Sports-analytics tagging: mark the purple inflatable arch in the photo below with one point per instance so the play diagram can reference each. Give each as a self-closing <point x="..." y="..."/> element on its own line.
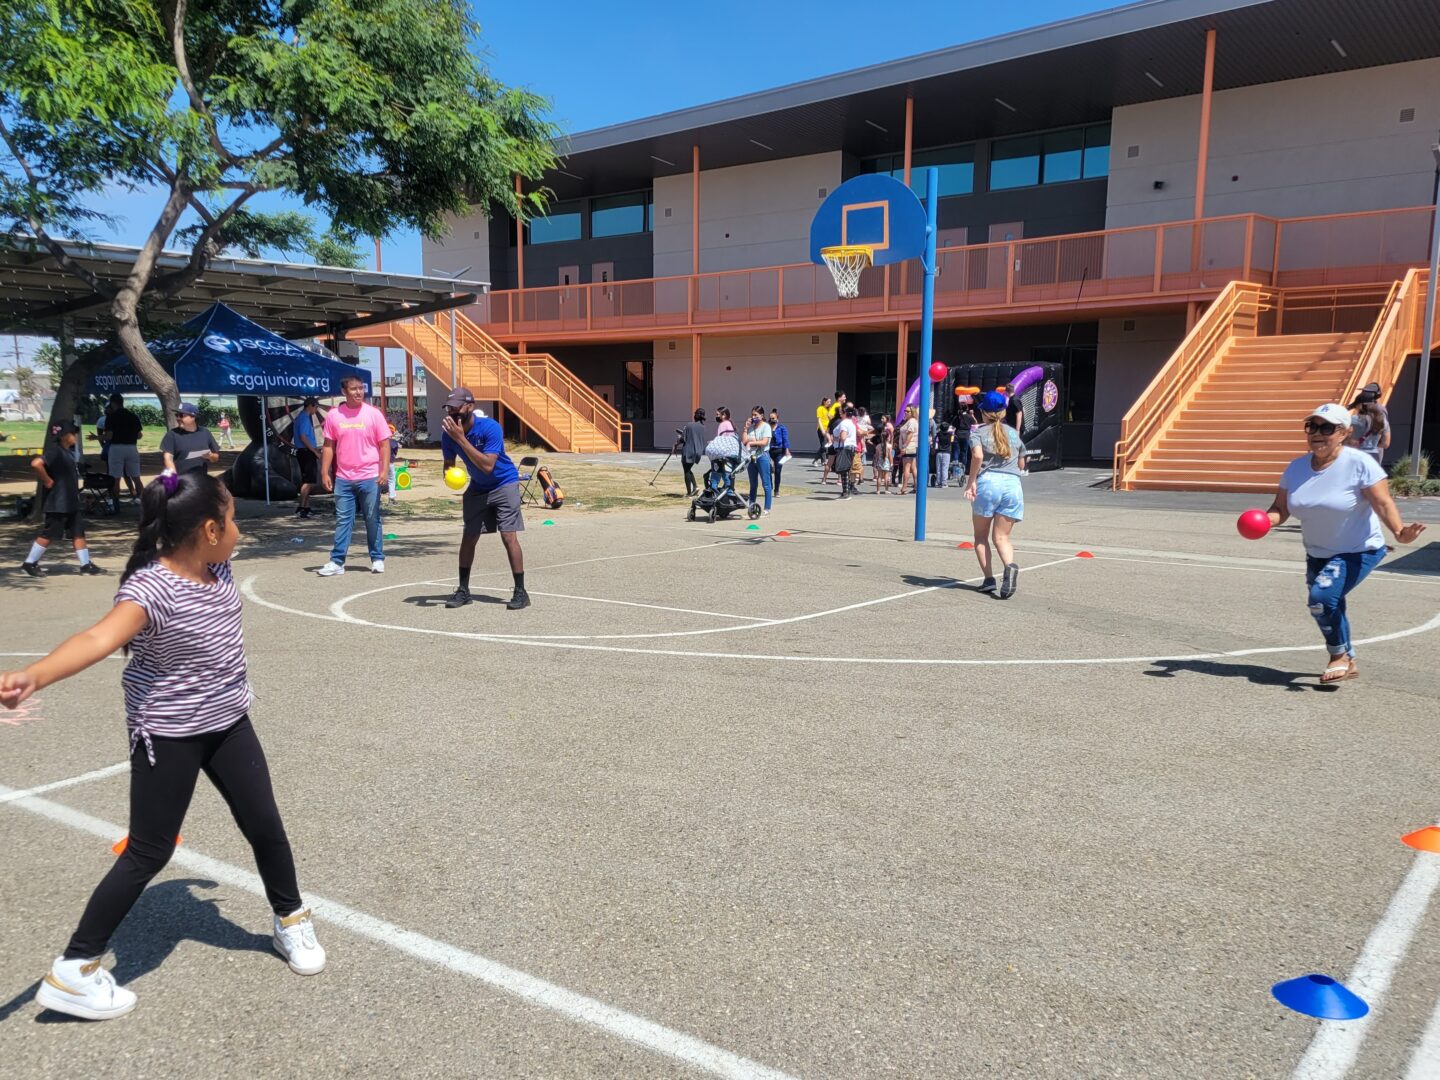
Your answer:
<point x="1022" y="382"/>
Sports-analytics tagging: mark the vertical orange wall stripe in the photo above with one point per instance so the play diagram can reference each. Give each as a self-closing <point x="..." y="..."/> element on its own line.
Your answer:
<point x="909" y="133"/>
<point x="694" y="373"/>
<point x="902" y="351"/>
<point x="519" y="239"/>
<point x="1203" y="154"/>
<point x="695" y="210"/>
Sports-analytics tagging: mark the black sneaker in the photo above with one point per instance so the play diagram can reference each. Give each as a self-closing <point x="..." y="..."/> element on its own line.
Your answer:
<point x="1010" y="581"/>
<point x="91" y="569"/>
<point x="988" y="585"/>
<point x="32" y="568"/>
<point x="521" y="599"/>
<point x="459" y="598"/>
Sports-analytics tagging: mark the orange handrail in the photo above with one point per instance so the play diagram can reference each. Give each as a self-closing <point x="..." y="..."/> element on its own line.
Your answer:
<point x="1237" y="308"/>
<point x="1395" y="335"/>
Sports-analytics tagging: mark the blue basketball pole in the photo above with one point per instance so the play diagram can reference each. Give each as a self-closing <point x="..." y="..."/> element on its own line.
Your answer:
<point x="927" y="334"/>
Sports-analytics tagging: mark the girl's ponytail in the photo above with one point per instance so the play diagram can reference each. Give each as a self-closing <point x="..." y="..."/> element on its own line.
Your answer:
<point x="997" y="433"/>
<point x="172" y="510"/>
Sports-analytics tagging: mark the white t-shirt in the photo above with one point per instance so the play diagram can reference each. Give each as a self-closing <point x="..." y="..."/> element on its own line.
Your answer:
<point x="1335" y="518"/>
<point x="764" y="433"/>
<point x="845" y="434"/>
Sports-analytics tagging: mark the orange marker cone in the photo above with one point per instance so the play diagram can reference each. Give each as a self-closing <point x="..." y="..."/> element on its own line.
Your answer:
<point x="1426" y="839"/>
<point x="118" y="848"/>
<point x="1083" y="555"/>
<point x="966" y="546"/>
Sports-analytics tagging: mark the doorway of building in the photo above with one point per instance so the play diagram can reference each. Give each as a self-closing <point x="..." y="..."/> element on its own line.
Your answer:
<point x="875" y="381"/>
<point x="1079" y="362"/>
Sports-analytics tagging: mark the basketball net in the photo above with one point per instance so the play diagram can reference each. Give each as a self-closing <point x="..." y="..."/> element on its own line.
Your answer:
<point x="846" y="264"/>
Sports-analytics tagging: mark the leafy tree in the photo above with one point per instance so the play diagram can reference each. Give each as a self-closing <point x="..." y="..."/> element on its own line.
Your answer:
<point x="376" y="112"/>
<point x="48" y="359"/>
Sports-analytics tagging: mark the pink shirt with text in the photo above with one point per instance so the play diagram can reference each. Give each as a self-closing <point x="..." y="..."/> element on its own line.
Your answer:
<point x="357" y="434"/>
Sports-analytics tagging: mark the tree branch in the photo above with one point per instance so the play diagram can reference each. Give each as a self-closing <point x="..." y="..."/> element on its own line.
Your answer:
<point x="167" y="285"/>
<point x="182" y="65"/>
<point x="52" y="245"/>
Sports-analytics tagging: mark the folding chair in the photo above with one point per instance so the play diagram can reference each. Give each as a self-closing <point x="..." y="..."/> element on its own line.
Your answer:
<point x="526" y="478"/>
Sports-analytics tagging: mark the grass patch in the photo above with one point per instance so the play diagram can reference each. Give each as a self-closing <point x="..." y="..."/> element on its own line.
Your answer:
<point x="1402" y="483"/>
<point x="31" y="433"/>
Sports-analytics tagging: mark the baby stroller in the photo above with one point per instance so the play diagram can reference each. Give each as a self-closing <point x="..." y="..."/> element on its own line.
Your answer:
<point x="719" y="499"/>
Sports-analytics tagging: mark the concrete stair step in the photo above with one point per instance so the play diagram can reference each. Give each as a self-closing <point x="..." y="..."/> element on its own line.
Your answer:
<point x="1148" y="483"/>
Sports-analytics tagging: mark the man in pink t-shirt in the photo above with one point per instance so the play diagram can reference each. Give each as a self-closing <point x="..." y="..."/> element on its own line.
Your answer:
<point x="356" y="455"/>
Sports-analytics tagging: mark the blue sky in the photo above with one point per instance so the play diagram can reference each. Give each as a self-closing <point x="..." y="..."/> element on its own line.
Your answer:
<point x="603" y="64"/>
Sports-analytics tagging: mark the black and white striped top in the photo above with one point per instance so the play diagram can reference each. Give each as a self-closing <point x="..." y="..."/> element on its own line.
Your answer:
<point x="186" y="674"/>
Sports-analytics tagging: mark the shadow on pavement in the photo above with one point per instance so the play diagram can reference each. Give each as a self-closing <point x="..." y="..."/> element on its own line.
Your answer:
<point x="438" y="599"/>
<point x="165" y="915"/>
<point x="1260" y="676"/>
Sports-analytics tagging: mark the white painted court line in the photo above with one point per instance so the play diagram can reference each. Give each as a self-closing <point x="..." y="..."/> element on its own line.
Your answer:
<point x="55" y="785"/>
<point x="637" y="604"/>
<point x="1425" y="1063"/>
<point x="338" y="610"/>
<point x="547" y="995"/>
<point x="1336" y="1045"/>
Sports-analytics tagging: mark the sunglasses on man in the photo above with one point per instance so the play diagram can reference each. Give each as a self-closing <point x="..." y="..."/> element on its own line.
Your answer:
<point x="1319" y="427"/>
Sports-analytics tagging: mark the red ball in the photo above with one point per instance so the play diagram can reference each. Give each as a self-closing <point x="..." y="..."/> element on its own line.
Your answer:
<point x="938" y="371"/>
<point x="1253" y="524"/>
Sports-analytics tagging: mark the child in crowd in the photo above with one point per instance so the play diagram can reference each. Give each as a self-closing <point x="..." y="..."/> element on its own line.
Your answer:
<point x="187" y="701"/>
<point x="59" y="474"/>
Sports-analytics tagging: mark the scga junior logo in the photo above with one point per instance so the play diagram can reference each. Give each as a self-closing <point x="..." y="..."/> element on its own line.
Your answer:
<point x="220" y="343"/>
<point x="1050" y="397"/>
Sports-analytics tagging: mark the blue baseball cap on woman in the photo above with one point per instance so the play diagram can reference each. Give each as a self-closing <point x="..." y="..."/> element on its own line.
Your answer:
<point x="990" y="401"/>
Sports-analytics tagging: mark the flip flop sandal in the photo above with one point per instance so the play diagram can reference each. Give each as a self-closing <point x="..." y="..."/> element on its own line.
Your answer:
<point x="1347" y="668"/>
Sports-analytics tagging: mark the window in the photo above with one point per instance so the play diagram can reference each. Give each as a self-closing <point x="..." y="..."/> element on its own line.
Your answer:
<point x="620" y="215"/>
<point x="1053" y="158"/>
<point x="956" y="165"/>
<point x="563" y="223"/>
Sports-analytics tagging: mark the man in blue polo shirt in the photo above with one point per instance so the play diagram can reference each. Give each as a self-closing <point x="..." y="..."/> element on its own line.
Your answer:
<point x="492" y="501"/>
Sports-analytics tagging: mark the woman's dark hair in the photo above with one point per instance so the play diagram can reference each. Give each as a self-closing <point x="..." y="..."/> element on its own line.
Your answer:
<point x="172" y="510"/>
<point x="757" y="409"/>
<point x="699" y="414"/>
<point x="722" y="413"/>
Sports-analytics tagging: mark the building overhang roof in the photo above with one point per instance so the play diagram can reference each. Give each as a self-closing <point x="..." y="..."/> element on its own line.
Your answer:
<point x="1071" y="72"/>
<point x="39" y="296"/>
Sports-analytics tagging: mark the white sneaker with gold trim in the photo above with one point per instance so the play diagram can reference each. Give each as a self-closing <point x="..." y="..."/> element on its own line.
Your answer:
<point x="85" y="989"/>
<point x="295" y="940"/>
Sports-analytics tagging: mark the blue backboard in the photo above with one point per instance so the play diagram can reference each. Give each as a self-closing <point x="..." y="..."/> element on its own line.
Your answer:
<point x="872" y="209"/>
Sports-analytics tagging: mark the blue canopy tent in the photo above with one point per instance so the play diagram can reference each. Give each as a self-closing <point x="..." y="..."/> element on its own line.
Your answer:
<point x="222" y="352"/>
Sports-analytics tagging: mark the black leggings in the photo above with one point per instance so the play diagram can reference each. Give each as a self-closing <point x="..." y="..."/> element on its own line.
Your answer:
<point x="160" y="795"/>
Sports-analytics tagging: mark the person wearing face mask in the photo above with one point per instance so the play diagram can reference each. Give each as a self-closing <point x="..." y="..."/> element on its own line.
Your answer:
<point x="1342" y="497"/>
<point x="779" y="449"/>
<point x="492" y="501"/>
<point x="756" y="442"/>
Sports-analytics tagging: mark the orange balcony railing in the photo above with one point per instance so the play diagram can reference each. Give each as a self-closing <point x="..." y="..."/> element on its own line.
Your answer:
<point x="1165" y="263"/>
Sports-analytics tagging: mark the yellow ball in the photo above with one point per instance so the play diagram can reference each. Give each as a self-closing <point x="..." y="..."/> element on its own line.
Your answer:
<point x="456" y="478"/>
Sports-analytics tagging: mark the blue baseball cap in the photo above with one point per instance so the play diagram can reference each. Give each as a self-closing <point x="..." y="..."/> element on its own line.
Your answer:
<point x="990" y="401"/>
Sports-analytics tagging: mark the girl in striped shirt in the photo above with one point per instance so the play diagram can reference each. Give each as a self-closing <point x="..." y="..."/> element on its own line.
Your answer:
<point x="187" y="697"/>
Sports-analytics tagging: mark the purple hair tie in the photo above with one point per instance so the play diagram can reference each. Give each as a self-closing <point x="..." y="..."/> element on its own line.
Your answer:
<point x="169" y="481"/>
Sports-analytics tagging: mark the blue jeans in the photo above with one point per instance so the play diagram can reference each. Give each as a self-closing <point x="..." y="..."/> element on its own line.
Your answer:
<point x="347" y="494"/>
<point x="759" y="469"/>
<point x="1330" y="580"/>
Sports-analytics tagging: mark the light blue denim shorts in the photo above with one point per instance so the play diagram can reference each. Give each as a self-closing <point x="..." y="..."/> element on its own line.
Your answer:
<point x="999" y="493"/>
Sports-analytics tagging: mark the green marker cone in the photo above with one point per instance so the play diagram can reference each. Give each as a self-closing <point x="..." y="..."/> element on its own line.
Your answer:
<point x="753" y="528"/>
<point x="391" y="536"/>
<point x="547" y="521"/>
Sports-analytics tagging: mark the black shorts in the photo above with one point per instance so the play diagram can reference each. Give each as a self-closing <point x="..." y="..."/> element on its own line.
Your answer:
<point x="497" y="510"/>
<point x="58" y="526"/>
<point x="309" y="466"/>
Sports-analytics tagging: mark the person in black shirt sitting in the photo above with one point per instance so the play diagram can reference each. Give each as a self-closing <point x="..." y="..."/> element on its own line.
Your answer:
<point x="59" y="473"/>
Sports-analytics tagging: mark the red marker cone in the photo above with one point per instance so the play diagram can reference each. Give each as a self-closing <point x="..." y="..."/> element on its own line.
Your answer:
<point x="782" y="532"/>
<point x="1083" y="555"/>
<point x="118" y="848"/>
<point x="965" y="545"/>
<point x="1426" y="839"/>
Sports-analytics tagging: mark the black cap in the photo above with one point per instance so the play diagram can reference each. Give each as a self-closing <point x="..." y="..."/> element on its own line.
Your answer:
<point x="310" y="401"/>
<point x="458" y="397"/>
<point x="63" y="428"/>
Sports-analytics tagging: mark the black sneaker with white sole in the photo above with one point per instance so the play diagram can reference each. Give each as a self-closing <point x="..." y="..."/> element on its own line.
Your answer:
<point x="521" y="599"/>
<point x="459" y="598"/>
<point x="1010" y="581"/>
<point x="988" y="585"/>
<point x="32" y="568"/>
<point x="91" y="568"/>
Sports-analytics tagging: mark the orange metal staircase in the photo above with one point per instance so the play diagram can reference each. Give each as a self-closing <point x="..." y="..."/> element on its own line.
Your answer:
<point x="1226" y="412"/>
<point x="546" y="396"/>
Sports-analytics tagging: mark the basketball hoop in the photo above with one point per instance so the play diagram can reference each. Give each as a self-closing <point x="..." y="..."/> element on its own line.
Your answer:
<point x="846" y="262"/>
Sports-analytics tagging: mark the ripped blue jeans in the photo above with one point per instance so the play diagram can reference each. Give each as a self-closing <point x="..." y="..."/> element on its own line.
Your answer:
<point x="1330" y="580"/>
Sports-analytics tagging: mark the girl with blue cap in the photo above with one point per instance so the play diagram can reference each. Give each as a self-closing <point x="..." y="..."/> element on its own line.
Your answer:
<point x="997" y="461"/>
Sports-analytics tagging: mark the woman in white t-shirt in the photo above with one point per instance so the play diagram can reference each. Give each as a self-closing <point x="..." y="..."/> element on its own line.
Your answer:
<point x="1341" y="497"/>
<point x="909" y="446"/>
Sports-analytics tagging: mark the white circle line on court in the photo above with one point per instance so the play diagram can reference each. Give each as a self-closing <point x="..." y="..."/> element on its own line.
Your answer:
<point x="248" y="588"/>
<point x="337" y="609"/>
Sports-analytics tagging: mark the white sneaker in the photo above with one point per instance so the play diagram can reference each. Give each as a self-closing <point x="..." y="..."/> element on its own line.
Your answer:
<point x="331" y="569"/>
<point x="295" y="940"/>
<point x="377" y="566"/>
<point x="85" y="989"/>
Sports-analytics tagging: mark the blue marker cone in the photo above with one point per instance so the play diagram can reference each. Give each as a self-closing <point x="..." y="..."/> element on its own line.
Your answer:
<point x="1320" y="996"/>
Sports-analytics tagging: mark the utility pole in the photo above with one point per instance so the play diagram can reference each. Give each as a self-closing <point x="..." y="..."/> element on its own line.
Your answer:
<point x="1427" y="336"/>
